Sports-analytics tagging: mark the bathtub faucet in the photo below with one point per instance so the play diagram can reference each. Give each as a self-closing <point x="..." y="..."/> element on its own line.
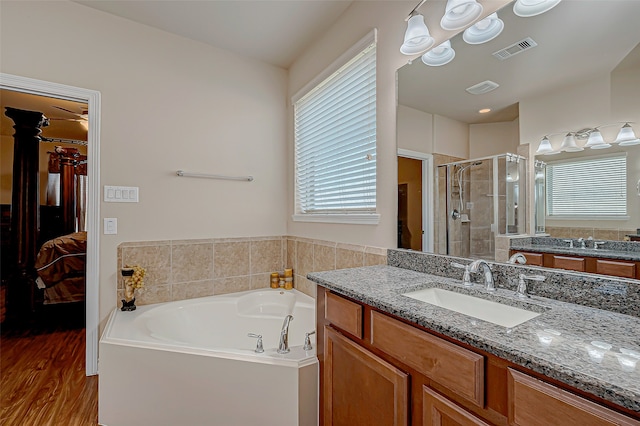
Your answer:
<point x="283" y="347"/>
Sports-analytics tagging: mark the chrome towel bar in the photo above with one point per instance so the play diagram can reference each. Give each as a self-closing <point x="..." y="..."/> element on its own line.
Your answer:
<point x="207" y="176"/>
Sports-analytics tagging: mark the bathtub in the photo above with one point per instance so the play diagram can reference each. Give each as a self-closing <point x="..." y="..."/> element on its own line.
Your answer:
<point x="191" y="363"/>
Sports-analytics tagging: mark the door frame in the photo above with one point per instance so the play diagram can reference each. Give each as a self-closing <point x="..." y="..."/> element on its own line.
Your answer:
<point x="427" y="195"/>
<point x="92" y="99"/>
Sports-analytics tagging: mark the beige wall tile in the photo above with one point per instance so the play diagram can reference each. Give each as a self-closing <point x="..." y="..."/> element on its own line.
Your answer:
<point x="155" y="259"/>
<point x="191" y="262"/>
<point x="304" y="260"/>
<point x="291" y="260"/>
<point x="606" y="234"/>
<point x="119" y="278"/>
<point x="266" y="256"/>
<point x="231" y="285"/>
<point x="156" y="294"/>
<point x="349" y="256"/>
<point x="307" y="287"/>
<point x="501" y="255"/>
<point x="371" y="259"/>
<point x="324" y="257"/>
<point x="191" y="290"/>
<point x="260" y="281"/>
<point x="231" y="259"/>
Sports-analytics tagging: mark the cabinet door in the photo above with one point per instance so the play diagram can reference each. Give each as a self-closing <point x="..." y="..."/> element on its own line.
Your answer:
<point x="535" y="259"/>
<point x="359" y="387"/>
<point x="618" y="268"/>
<point x="535" y="403"/>
<point x="439" y="411"/>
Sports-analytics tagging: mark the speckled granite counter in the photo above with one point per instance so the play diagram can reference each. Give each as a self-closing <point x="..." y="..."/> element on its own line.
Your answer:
<point x="565" y="358"/>
<point x="622" y="250"/>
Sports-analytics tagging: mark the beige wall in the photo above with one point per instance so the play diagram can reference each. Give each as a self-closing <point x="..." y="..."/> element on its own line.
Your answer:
<point x="168" y="103"/>
<point x="415" y="130"/>
<point x="450" y="137"/>
<point x="490" y="139"/>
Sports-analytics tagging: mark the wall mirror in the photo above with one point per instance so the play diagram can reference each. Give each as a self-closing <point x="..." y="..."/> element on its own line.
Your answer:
<point x="575" y="66"/>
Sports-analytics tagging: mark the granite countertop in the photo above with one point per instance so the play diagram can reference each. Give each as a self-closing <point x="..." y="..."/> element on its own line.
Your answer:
<point x="589" y="252"/>
<point x="570" y="327"/>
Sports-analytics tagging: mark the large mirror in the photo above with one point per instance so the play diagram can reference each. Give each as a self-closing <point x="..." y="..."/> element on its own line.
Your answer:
<point x="576" y="66"/>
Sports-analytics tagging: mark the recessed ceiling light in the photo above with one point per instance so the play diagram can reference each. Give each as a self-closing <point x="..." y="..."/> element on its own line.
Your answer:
<point x="484" y="110"/>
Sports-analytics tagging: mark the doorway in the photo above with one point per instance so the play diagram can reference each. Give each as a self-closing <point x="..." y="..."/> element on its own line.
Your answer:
<point x="92" y="99"/>
<point x="415" y="201"/>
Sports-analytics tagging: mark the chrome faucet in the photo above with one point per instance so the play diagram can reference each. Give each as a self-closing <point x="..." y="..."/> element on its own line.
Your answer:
<point x="521" y="291"/>
<point x="517" y="258"/>
<point x="283" y="346"/>
<point x="488" y="275"/>
<point x="582" y="243"/>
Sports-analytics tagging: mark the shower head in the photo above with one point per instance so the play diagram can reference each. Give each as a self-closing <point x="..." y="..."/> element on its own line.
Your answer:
<point x="466" y="166"/>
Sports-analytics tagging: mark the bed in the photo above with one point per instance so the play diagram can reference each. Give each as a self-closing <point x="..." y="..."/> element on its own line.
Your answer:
<point x="60" y="265"/>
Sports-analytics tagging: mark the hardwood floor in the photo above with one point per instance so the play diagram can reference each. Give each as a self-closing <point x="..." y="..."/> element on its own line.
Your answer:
<point x="42" y="375"/>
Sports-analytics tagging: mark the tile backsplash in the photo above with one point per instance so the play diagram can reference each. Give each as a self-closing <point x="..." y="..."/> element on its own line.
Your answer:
<point x="185" y="269"/>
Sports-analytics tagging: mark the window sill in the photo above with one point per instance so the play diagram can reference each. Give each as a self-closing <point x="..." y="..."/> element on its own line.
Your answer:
<point x="587" y="217"/>
<point x="353" y="219"/>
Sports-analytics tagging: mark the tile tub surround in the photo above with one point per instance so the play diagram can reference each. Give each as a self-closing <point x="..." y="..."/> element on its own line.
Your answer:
<point x="185" y="269"/>
<point x="565" y="359"/>
<point x="596" y="233"/>
<point x="591" y="290"/>
<point x="624" y="250"/>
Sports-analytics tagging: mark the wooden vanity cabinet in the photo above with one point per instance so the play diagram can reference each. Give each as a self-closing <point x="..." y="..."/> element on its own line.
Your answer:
<point x="594" y="265"/>
<point x="386" y="371"/>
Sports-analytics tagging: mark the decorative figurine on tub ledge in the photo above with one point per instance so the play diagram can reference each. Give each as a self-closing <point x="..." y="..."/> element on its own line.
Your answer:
<point x="133" y="279"/>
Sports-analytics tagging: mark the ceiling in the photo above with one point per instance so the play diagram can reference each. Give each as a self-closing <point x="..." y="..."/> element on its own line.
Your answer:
<point x="272" y="31"/>
<point x="577" y="40"/>
<point x="62" y="124"/>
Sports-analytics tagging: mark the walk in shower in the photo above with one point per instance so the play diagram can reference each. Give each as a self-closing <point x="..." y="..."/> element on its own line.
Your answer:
<point x="477" y="200"/>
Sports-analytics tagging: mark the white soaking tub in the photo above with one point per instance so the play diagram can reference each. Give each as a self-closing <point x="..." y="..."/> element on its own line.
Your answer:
<point x="191" y="363"/>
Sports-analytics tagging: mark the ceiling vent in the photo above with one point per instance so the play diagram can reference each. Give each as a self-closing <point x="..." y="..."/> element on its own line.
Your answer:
<point x="515" y="48"/>
<point x="484" y="87"/>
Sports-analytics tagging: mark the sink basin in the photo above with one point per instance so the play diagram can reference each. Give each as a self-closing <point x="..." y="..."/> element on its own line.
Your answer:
<point x="486" y="310"/>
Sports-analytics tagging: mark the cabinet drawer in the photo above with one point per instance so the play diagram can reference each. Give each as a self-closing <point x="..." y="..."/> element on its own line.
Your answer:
<point x="451" y="366"/>
<point x="536" y="403"/>
<point x="616" y="268"/>
<point x="570" y="263"/>
<point x="344" y="314"/>
<point x="535" y="259"/>
<point x="439" y="411"/>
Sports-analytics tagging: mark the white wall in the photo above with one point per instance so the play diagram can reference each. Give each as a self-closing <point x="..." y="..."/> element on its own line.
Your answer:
<point x="168" y="103"/>
<point x="489" y="139"/>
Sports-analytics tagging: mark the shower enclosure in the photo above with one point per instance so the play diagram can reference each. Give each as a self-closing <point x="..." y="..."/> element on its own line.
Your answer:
<point x="476" y="201"/>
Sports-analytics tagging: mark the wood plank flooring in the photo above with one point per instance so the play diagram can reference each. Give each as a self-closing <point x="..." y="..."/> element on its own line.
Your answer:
<point x="42" y="377"/>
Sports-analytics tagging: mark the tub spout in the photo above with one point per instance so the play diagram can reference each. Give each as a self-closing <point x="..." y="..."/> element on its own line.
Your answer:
<point x="283" y="347"/>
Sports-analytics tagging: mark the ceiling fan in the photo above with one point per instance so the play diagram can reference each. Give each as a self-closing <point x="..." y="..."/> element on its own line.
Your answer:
<point x="82" y="117"/>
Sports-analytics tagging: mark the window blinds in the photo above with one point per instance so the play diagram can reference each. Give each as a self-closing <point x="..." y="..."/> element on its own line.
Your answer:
<point x="335" y="141"/>
<point x="588" y="187"/>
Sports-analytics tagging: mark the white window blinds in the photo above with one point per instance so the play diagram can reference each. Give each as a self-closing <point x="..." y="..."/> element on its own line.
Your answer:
<point x="590" y="187"/>
<point x="335" y="141"/>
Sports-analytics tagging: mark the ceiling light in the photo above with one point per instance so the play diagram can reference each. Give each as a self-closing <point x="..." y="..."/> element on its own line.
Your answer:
<point x="569" y="144"/>
<point x="529" y="8"/>
<point x="438" y="56"/>
<point x="484" y="110"/>
<point x="596" y="141"/>
<point x="417" y="39"/>
<point x="484" y="30"/>
<point x="626" y="136"/>
<point x="545" y="147"/>
<point x="460" y="13"/>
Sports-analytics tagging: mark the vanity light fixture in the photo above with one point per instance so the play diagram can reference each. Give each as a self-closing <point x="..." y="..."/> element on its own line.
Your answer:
<point x="460" y="13"/>
<point x="529" y="8"/>
<point x="438" y="56"/>
<point x="596" y="141"/>
<point x="545" y="147"/>
<point x="626" y="136"/>
<point x="569" y="144"/>
<point x="417" y="39"/>
<point x="484" y="30"/>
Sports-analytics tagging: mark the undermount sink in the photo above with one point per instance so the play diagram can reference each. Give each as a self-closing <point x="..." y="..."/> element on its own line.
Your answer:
<point x="486" y="310"/>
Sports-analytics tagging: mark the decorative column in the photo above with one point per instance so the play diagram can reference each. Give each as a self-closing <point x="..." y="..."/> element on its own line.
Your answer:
<point x="25" y="198"/>
<point x="68" y="161"/>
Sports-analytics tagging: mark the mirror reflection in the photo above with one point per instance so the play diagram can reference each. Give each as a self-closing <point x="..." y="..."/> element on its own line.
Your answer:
<point x="582" y="73"/>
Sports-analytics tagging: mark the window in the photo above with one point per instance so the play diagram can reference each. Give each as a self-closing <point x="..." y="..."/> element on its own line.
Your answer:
<point x="587" y="188"/>
<point x="335" y="142"/>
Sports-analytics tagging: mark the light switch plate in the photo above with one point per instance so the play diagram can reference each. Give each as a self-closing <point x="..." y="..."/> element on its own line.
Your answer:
<point x="121" y="194"/>
<point x="110" y="225"/>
